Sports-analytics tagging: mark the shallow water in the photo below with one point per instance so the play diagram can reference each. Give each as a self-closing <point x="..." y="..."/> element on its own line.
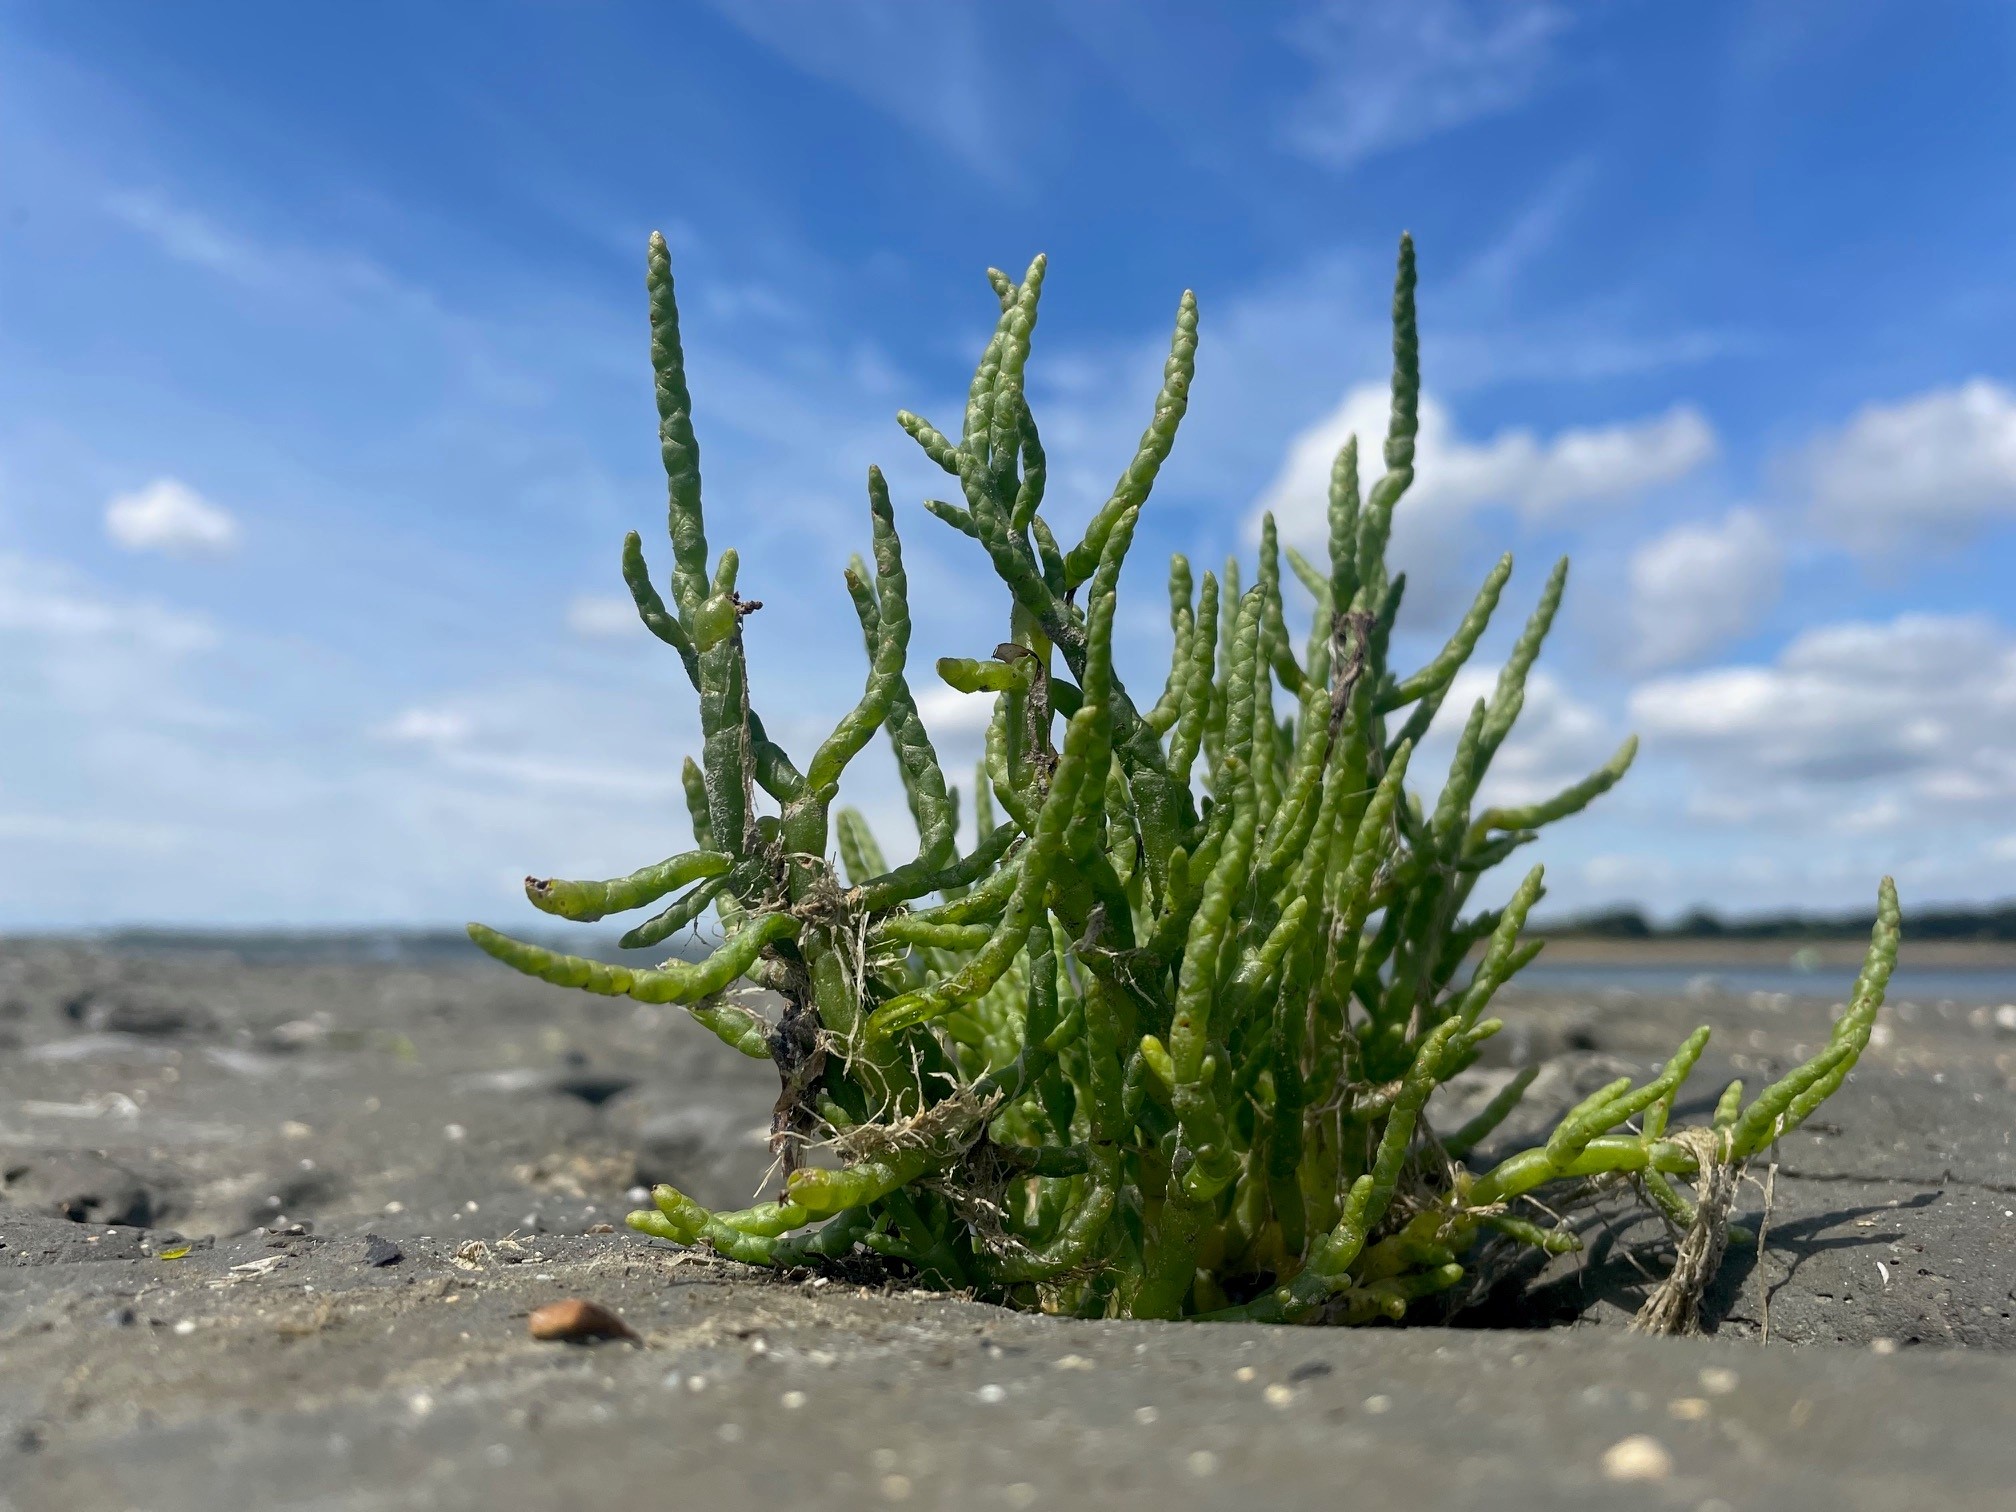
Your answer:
<point x="1973" y="985"/>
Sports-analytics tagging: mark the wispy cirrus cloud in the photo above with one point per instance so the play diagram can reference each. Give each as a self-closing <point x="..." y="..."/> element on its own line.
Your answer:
<point x="1388" y="76"/>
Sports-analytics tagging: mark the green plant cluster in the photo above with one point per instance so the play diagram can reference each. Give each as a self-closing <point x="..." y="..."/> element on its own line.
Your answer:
<point x="1161" y="1043"/>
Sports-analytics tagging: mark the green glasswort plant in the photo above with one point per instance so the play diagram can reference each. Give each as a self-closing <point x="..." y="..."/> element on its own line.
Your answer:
<point x="1141" y="1051"/>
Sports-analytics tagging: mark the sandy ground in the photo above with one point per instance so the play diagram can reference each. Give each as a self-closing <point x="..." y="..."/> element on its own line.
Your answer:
<point x="379" y="1170"/>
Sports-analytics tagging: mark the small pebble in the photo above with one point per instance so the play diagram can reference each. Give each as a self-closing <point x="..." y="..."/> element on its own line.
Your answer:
<point x="1688" y="1409"/>
<point x="1243" y="1373"/>
<point x="378" y="1252"/>
<point x="186" y="1327"/>
<point x="1378" y="1404"/>
<point x="1637" y="1458"/>
<point x="992" y="1393"/>
<point x="1073" y="1362"/>
<point x="577" y="1321"/>
<point x="791" y="1401"/>
<point x="1145" y="1414"/>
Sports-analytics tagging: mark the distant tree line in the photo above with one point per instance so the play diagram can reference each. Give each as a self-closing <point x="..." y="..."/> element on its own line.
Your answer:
<point x="1993" y="921"/>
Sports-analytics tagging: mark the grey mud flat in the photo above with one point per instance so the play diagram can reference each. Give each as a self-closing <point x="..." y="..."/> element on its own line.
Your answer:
<point x="378" y="1170"/>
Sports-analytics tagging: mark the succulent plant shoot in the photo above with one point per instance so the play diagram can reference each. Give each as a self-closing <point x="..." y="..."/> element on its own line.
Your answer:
<point x="1157" y="1039"/>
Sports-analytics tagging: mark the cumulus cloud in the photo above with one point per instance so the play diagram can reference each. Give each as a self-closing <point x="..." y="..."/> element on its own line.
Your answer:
<point x="602" y="617"/>
<point x="172" y="518"/>
<point x="1861" y="723"/>
<point x="1698" y="586"/>
<point x="1391" y="75"/>
<point x="1558" y="739"/>
<point x="952" y="716"/>
<point x="1935" y="470"/>
<point x="1455" y="475"/>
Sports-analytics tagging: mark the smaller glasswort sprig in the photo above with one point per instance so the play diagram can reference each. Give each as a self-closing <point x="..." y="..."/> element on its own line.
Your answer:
<point x="1162" y="1042"/>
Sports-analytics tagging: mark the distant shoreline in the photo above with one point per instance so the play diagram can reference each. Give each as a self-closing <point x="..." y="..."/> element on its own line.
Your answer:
<point x="1703" y="953"/>
<point x="1584" y="950"/>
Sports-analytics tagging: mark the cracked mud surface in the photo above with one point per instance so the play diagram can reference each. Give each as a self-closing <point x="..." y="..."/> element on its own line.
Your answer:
<point x="448" y="1140"/>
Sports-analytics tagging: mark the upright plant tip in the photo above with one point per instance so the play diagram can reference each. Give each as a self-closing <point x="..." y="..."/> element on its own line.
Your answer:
<point x="1140" y="1051"/>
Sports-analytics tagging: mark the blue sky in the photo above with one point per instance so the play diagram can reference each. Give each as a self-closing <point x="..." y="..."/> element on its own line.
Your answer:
<point x="324" y="403"/>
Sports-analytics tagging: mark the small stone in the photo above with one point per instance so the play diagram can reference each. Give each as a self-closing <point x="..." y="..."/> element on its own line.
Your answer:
<point x="1309" y="1370"/>
<point x="1244" y="1373"/>
<point x="1279" y="1395"/>
<point x="1073" y="1362"/>
<point x="1640" y="1457"/>
<point x="1145" y="1415"/>
<point x="186" y="1327"/>
<point x="1688" y="1409"/>
<point x="1719" y="1380"/>
<point x="1378" y="1404"/>
<point x="576" y="1321"/>
<point x="381" y="1252"/>
<point x="791" y="1401"/>
<point x="1883" y="1346"/>
<point x="992" y="1393"/>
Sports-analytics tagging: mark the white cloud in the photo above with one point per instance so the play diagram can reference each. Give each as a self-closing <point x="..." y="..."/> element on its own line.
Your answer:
<point x="1558" y="739"/>
<point x="1920" y="711"/>
<point x="50" y="603"/>
<point x="602" y="617"/>
<point x="952" y="716"/>
<point x="1698" y="586"/>
<point x="1932" y="471"/>
<point x="170" y="517"/>
<point x="1391" y="75"/>
<point x="1455" y="475"/>
<point x="427" y="727"/>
